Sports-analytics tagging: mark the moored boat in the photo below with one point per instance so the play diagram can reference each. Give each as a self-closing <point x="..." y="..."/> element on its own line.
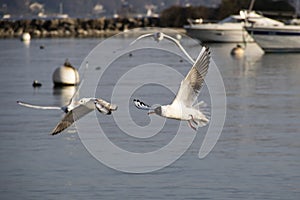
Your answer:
<point x="230" y="29"/>
<point x="276" y="39"/>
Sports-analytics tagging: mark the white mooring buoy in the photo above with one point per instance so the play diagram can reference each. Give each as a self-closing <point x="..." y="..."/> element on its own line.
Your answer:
<point x="237" y="51"/>
<point x="25" y="37"/>
<point x="65" y="75"/>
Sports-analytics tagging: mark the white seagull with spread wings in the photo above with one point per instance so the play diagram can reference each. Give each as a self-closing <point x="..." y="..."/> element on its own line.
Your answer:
<point x="75" y="110"/>
<point x="182" y="107"/>
<point x="159" y="36"/>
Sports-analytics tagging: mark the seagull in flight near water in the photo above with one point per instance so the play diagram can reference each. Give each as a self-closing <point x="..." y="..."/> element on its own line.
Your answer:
<point x="159" y="36"/>
<point x="182" y="107"/>
<point x="75" y="110"/>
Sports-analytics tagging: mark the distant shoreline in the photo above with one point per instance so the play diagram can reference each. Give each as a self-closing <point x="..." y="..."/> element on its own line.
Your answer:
<point x="73" y="27"/>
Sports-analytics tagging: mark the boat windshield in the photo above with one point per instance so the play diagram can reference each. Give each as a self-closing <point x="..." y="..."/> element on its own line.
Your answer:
<point x="231" y="19"/>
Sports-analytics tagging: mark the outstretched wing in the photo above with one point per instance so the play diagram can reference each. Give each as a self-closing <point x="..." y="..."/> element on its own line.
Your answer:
<point x="38" y="107"/>
<point x="71" y="117"/>
<point x="180" y="47"/>
<point x="167" y="37"/>
<point x="141" y="105"/>
<point x="141" y="37"/>
<point x="64" y="123"/>
<point x="76" y="93"/>
<point x="75" y="96"/>
<point x="191" y="85"/>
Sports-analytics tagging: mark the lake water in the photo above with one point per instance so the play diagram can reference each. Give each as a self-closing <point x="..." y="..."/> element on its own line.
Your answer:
<point x="256" y="157"/>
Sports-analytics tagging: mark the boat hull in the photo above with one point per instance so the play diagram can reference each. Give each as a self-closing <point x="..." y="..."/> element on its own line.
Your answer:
<point x="284" y="39"/>
<point x="230" y="29"/>
<point x="219" y="33"/>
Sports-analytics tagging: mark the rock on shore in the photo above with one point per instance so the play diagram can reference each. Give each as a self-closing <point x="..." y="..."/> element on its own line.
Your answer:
<point x="71" y="27"/>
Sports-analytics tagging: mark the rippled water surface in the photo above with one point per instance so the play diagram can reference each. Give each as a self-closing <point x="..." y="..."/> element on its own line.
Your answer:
<point x="256" y="157"/>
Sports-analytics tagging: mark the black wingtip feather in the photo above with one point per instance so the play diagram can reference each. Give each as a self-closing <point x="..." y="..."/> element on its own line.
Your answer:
<point x="141" y="105"/>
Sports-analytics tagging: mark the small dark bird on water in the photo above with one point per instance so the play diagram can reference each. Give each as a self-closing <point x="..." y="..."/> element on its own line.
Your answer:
<point x="36" y="83"/>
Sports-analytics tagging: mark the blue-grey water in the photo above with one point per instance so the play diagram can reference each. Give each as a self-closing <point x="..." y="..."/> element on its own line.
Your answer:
<point x="256" y="157"/>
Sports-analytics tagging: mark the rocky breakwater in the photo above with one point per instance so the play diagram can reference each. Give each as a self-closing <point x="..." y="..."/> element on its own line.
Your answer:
<point x="71" y="27"/>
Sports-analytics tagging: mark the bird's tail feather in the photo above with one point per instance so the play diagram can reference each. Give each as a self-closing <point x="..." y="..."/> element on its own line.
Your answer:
<point x="203" y="122"/>
<point x="204" y="109"/>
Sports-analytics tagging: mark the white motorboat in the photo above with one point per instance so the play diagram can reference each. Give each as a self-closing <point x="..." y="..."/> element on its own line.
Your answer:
<point x="230" y="29"/>
<point x="277" y="39"/>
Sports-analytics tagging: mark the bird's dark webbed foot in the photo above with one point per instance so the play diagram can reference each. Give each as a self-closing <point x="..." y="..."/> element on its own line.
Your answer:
<point x="190" y="124"/>
<point x="194" y="121"/>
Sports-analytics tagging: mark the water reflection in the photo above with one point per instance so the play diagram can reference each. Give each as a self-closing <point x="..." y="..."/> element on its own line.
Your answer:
<point x="64" y="94"/>
<point x="26" y="43"/>
<point x="257" y="156"/>
<point x="247" y="65"/>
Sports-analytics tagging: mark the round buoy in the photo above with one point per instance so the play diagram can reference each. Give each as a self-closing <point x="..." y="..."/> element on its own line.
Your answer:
<point x="36" y="83"/>
<point x="237" y="51"/>
<point x="178" y="36"/>
<point x="25" y="37"/>
<point x="65" y="75"/>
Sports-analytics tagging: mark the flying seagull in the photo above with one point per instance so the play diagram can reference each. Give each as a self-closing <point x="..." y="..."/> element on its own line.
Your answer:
<point x="159" y="36"/>
<point x="182" y="107"/>
<point x="75" y="110"/>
